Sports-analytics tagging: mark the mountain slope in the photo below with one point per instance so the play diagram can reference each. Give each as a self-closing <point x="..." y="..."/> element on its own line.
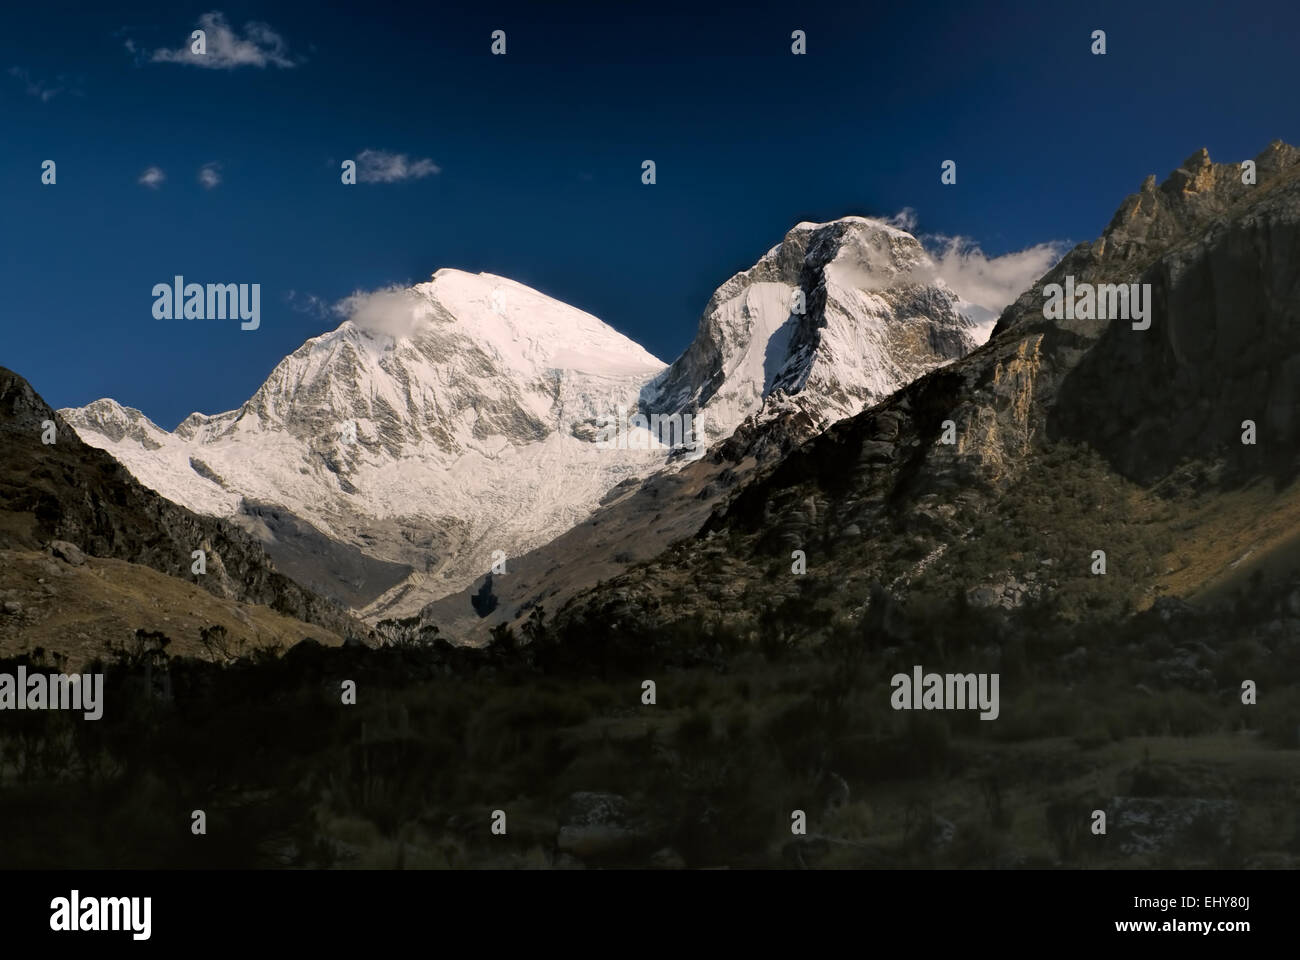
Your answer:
<point x="429" y="430"/>
<point x="1097" y="539"/>
<point x="635" y="522"/>
<point x="1070" y="436"/>
<point x="75" y="610"/>
<point x="68" y="490"/>
<point x="760" y="377"/>
<point x="875" y="316"/>
<point x="394" y="460"/>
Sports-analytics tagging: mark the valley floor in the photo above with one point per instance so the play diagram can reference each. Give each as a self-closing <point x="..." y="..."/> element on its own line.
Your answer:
<point x="557" y="738"/>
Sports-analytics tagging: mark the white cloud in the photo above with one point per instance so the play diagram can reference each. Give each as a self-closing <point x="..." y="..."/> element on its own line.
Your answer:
<point x="225" y="49"/>
<point x="391" y="311"/>
<point x="380" y="166"/>
<point x="210" y="175"/>
<point x="986" y="285"/>
<point x="152" y="178"/>
<point x="990" y="282"/>
<point x="35" y="88"/>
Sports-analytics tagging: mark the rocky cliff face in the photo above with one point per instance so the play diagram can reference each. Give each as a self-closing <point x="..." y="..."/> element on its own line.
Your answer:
<point x="1061" y="430"/>
<point x="1220" y="257"/>
<point x="1223" y="261"/>
<point x="71" y="491"/>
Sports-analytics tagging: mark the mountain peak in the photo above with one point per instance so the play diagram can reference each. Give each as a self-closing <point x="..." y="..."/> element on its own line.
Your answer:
<point x="1193" y="195"/>
<point x="117" y="422"/>
<point x="432" y="427"/>
<point x="444" y="422"/>
<point x="528" y="330"/>
<point x="1163" y="415"/>
<point x="845" y="311"/>
<point x="850" y="222"/>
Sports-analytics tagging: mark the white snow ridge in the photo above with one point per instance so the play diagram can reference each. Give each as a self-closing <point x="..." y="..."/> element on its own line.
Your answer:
<point x="875" y="319"/>
<point x="384" y="462"/>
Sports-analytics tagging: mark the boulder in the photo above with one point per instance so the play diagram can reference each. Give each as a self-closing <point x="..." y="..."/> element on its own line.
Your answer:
<point x="67" y="552"/>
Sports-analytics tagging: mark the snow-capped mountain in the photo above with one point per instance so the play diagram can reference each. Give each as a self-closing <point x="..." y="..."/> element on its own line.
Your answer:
<point x="874" y="317"/>
<point x="430" y="429"/>
<point x="387" y="462"/>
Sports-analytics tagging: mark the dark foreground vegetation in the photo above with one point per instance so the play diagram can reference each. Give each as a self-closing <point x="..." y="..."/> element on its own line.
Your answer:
<point x="1142" y="719"/>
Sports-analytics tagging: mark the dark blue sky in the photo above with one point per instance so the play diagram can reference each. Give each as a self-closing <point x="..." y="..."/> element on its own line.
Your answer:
<point x="540" y="154"/>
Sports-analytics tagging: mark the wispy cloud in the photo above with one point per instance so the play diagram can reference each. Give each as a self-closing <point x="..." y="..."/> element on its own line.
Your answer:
<point x="152" y="178"/>
<point x="987" y="285"/>
<point x="226" y="49"/>
<point x="991" y="282"/>
<point x="138" y="55"/>
<point x="380" y="166"/>
<point x="210" y="175"/>
<point x="905" y="219"/>
<point x="310" y="304"/>
<point x="35" y="88"/>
